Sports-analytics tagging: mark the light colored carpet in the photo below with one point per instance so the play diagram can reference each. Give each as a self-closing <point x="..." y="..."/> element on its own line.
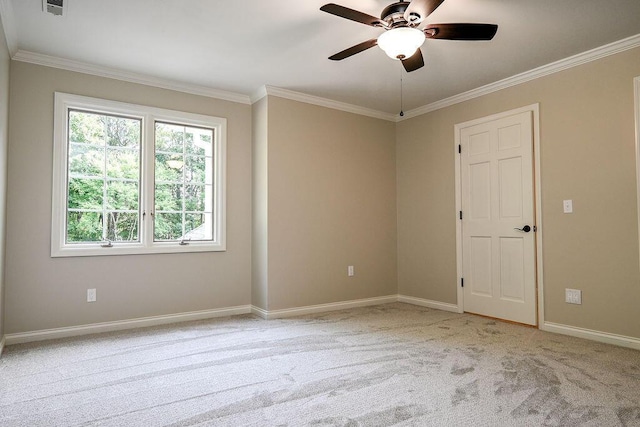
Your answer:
<point x="392" y="364"/>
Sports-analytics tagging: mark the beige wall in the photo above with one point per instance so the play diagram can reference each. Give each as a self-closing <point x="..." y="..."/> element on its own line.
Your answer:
<point x="260" y="198"/>
<point x="43" y="292"/>
<point x="587" y="154"/>
<point x="331" y="203"/>
<point x="4" y="133"/>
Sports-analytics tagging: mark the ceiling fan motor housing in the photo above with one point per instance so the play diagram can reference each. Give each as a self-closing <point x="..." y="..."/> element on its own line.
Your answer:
<point x="394" y="15"/>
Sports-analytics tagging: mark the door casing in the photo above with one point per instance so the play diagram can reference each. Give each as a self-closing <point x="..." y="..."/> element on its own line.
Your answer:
<point x="535" y="111"/>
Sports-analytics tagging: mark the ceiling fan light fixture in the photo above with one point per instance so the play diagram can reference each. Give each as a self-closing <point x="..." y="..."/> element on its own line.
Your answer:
<point x="401" y="43"/>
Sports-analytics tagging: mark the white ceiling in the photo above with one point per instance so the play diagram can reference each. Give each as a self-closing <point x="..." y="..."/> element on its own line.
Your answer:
<point x="241" y="45"/>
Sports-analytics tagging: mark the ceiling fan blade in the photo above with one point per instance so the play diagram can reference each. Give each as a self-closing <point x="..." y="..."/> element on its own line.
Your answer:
<point x="461" y="31"/>
<point x="414" y="62"/>
<point x="354" y="49"/>
<point x="354" y="15"/>
<point x="418" y="10"/>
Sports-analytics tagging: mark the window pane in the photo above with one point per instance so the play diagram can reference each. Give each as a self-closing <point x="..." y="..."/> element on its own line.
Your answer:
<point x="86" y="160"/>
<point x="167" y="226"/>
<point x="84" y="227"/>
<point x="122" y="195"/>
<point x="199" y="141"/>
<point x="194" y="198"/>
<point x="123" y="163"/>
<point x="195" y="170"/>
<point x="208" y="198"/>
<point x="86" y="127"/>
<point x="122" y="132"/>
<point x="122" y="226"/>
<point x="169" y="167"/>
<point x="169" y="138"/>
<point x="169" y="197"/>
<point x="198" y="227"/>
<point x="85" y="193"/>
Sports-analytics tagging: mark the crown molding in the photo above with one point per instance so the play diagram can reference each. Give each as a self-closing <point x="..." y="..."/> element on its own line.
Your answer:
<point x="322" y="102"/>
<point x="6" y="13"/>
<point x="113" y="73"/>
<point x="536" y="73"/>
<point x="259" y="94"/>
<point x="545" y="70"/>
<point x="9" y="26"/>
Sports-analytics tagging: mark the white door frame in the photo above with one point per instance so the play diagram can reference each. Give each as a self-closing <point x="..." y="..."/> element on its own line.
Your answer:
<point x="535" y="110"/>
<point x="636" y="99"/>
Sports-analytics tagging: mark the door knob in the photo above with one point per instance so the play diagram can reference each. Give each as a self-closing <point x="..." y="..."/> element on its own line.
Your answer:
<point x="525" y="229"/>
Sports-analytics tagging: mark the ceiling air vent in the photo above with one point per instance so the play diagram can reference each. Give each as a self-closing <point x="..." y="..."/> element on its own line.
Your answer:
<point x="54" y="7"/>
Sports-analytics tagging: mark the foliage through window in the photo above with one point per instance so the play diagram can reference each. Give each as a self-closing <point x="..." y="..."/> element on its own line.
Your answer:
<point x="104" y="174"/>
<point x="133" y="179"/>
<point x="183" y="182"/>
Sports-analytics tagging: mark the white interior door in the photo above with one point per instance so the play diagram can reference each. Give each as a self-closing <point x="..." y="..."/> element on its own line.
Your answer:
<point x="498" y="254"/>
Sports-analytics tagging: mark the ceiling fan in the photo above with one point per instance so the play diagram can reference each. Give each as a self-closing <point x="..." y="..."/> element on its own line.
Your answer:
<point x="402" y="37"/>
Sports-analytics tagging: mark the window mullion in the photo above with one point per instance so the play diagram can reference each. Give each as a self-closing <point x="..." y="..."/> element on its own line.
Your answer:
<point x="148" y="179"/>
<point x="184" y="179"/>
<point x="105" y="217"/>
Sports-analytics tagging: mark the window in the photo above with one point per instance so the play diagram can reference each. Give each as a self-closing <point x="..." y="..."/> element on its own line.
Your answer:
<point x="129" y="179"/>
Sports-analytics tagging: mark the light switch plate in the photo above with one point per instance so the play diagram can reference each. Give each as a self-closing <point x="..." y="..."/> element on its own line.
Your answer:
<point x="567" y="206"/>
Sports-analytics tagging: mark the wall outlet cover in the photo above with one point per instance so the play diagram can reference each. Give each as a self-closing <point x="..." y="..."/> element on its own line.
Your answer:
<point x="573" y="296"/>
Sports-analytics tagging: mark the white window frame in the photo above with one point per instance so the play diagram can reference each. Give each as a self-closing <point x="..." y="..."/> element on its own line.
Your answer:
<point x="149" y="115"/>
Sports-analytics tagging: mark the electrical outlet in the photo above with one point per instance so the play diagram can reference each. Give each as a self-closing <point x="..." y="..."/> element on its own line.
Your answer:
<point x="91" y="295"/>
<point x="573" y="296"/>
<point x="350" y="271"/>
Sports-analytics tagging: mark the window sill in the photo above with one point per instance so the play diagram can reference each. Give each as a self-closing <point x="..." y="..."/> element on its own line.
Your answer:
<point x="134" y="249"/>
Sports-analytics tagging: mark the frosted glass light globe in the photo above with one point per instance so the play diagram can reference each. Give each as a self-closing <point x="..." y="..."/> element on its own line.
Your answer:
<point x="401" y="43"/>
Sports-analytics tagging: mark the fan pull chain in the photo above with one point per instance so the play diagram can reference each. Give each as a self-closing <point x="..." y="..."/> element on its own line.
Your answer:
<point x="401" y="103"/>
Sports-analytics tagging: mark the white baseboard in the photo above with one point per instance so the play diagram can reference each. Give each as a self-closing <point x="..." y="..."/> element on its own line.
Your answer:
<point x="605" y="337"/>
<point x="320" y="308"/>
<point x="259" y="312"/>
<point x="47" y="334"/>
<point x="429" y="303"/>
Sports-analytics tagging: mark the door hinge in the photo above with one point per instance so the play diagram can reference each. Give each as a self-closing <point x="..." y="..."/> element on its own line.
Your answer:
<point x="460" y="214"/>
<point x="459" y="148"/>
<point x="462" y="282"/>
